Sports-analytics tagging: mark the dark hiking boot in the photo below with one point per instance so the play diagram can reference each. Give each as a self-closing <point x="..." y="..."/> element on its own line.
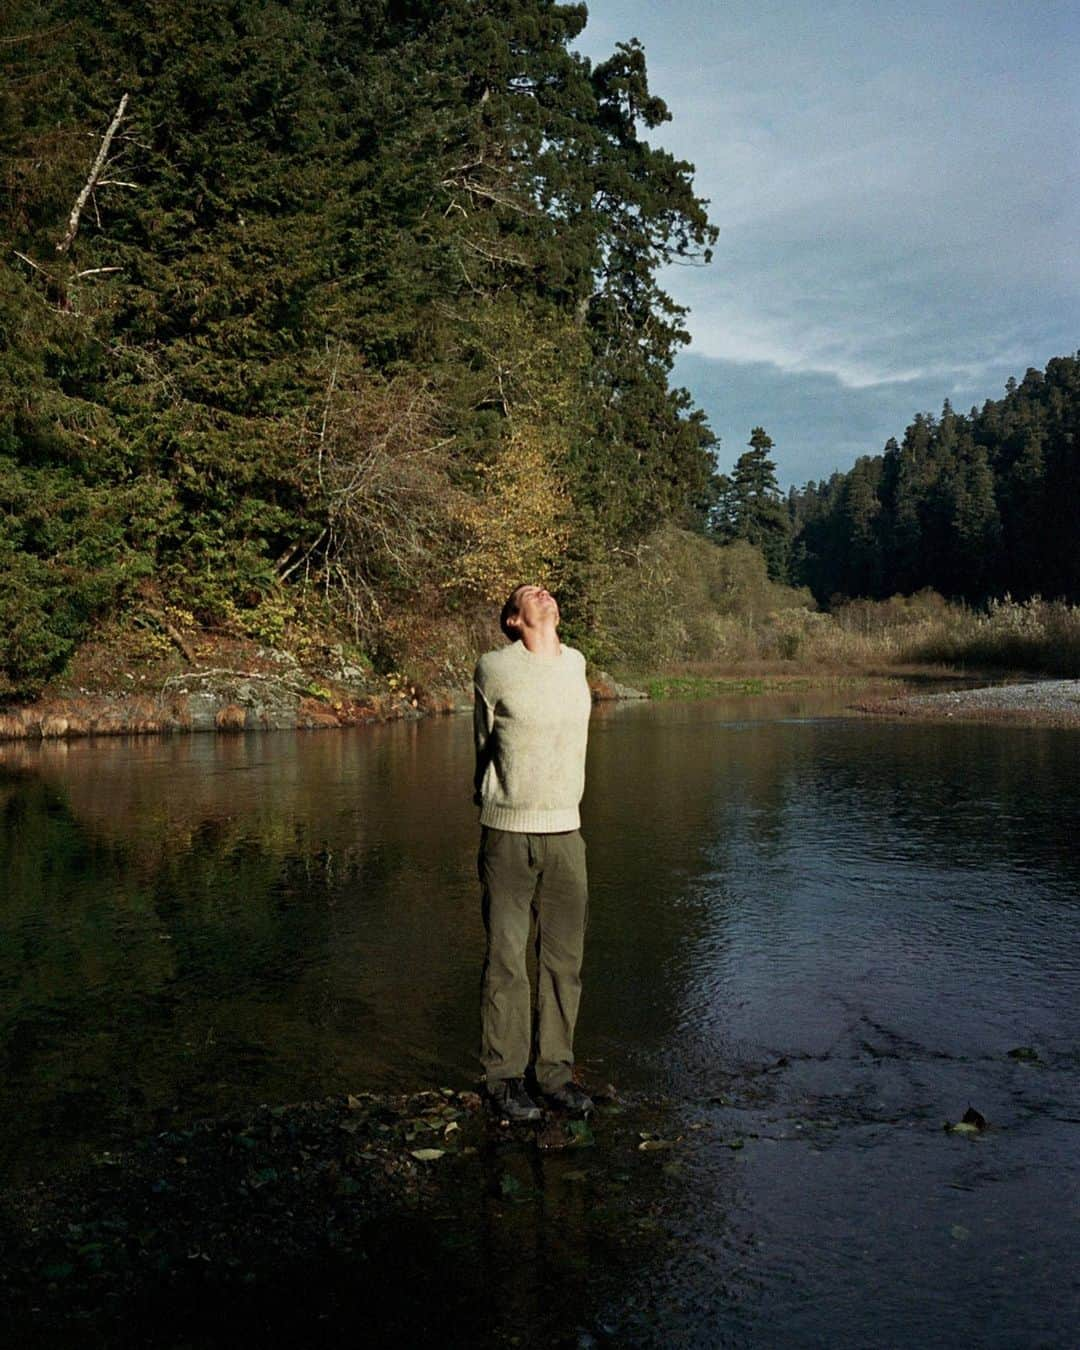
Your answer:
<point x="570" y="1098"/>
<point x="510" y="1100"/>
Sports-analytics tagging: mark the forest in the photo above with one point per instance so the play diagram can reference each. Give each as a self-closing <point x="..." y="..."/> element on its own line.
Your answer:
<point x="329" y="315"/>
<point x="974" y="507"/>
<point x="328" y="321"/>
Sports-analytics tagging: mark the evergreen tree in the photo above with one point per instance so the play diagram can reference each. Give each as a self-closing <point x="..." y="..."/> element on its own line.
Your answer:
<point x="859" y="509"/>
<point x="973" y="506"/>
<point x="977" y="526"/>
<point x="366" y="245"/>
<point x="753" y="507"/>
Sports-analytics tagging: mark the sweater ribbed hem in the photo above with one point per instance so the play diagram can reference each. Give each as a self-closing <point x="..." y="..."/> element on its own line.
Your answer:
<point x="530" y="822"/>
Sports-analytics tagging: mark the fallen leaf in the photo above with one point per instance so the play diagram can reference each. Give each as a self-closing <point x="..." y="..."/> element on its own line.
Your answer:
<point x="581" y="1135"/>
<point x="427" y="1154"/>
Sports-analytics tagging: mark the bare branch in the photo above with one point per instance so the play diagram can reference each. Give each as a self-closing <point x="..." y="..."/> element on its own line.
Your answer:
<point x="175" y="636"/>
<point x="94" y="271"/>
<point x="384" y="486"/>
<point x="516" y="259"/>
<point x="303" y="558"/>
<point x="184" y="677"/>
<point x="37" y="34"/>
<point x="476" y="189"/>
<point x="31" y="263"/>
<point x="95" y="172"/>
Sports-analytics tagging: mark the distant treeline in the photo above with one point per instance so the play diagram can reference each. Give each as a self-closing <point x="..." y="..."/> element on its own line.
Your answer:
<point x="329" y="311"/>
<point x="975" y="507"/>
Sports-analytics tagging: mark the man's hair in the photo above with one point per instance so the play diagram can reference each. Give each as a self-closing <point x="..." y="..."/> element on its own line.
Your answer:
<point x="509" y="611"/>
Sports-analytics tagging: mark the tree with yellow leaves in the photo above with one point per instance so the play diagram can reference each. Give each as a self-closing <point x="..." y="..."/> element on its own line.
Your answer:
<point x="518" y="526"/>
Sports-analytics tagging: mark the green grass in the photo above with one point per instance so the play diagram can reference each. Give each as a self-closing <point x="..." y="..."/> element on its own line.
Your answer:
<point x="701" y="686"/>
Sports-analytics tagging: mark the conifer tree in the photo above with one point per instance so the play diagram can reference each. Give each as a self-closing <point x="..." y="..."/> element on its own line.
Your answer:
<point x="302" y="210"/>
<point x="753" y="508"/>
<point x="975" y="506"/>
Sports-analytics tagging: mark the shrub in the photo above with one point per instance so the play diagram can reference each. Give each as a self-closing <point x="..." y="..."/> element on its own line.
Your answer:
<point x="1036" y="635"/>
<point x="680" y="597"/>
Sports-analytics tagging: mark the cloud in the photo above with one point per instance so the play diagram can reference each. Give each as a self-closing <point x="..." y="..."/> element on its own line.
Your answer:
<point x="872" y="320"/>
<point x="895" y="187"/>
<point x="819" y="425"/>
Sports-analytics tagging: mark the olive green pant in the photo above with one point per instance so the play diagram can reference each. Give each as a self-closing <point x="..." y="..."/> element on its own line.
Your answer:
<point x="531" y="882"/>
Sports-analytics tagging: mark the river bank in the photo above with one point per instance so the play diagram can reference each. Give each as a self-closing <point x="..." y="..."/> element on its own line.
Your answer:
<point x="229" y="685"/>
<point x="1044" y="703"/>
<point x="226" y="684"/>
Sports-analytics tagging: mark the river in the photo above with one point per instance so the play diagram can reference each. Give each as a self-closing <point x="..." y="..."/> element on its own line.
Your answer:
<point x="813" y="941"/>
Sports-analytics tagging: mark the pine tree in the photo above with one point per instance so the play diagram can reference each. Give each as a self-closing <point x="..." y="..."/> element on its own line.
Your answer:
<point x="974" y="506"/>
<point x="753" y="508"/>
<point x="859" y="509"/>
<point x="309" y="208"/>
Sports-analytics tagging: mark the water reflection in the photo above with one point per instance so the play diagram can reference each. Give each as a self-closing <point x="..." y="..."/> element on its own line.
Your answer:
<point x="819" y="937"/>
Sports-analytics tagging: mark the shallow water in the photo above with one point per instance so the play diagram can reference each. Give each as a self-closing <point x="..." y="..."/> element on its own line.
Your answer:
<point x="815" y="939"/>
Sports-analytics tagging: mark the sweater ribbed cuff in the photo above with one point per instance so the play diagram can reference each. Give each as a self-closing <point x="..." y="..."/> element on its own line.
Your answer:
<point x="530" y="822"/>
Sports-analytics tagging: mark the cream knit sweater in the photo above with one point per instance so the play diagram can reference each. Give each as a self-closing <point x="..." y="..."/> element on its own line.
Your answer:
<point x="531" y="723"/>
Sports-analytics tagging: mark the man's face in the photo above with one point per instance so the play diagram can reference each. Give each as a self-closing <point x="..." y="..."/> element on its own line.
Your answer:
<point x="536" y="605"/>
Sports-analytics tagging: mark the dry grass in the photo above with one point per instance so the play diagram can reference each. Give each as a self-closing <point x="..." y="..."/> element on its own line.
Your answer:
<point x="1037" y="636"/>
<point x="688" y="608"/>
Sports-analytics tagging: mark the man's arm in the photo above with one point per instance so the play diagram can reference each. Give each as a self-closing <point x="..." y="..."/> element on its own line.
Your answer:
<point x="483" y="719"/>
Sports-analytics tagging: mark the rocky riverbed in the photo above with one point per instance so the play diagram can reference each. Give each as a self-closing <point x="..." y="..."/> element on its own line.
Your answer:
<point x="1029" y="702"/>
<point x="287" y="1224"/>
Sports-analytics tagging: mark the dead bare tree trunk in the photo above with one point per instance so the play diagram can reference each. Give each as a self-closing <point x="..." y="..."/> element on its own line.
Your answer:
<point x="91" y="182"/>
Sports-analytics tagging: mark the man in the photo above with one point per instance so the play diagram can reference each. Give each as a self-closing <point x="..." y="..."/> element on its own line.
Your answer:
<point x="531" y="723"/>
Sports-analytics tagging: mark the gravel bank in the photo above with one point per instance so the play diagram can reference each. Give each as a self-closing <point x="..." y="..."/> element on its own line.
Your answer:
<point x="1033" y="703"/>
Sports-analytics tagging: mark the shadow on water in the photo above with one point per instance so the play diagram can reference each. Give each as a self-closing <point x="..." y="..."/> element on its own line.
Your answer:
<point x="812" y="942"/>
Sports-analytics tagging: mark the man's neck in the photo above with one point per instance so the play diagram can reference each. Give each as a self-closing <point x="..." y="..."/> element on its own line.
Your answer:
<point x="543" y="641"/>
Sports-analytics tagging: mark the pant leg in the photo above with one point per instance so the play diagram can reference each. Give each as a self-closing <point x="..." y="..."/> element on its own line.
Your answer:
<point x="508" y="874"/>
<point x="562" y="903"/>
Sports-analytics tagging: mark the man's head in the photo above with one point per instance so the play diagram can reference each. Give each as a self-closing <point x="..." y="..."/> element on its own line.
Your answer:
<point x="527" y="605"/>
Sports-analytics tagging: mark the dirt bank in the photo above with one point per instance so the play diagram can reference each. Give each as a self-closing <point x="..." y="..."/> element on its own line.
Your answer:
<point x="230" y="685"/>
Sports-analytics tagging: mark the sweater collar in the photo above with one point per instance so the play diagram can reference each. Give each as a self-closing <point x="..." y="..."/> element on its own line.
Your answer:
<point x="541" y="660"/>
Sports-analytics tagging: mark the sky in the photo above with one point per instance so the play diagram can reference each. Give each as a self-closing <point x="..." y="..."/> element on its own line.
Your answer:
<point x="896" y="188"/>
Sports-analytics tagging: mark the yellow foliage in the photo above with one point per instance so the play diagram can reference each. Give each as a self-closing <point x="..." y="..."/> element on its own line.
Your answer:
<point x="518" y="528"/>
